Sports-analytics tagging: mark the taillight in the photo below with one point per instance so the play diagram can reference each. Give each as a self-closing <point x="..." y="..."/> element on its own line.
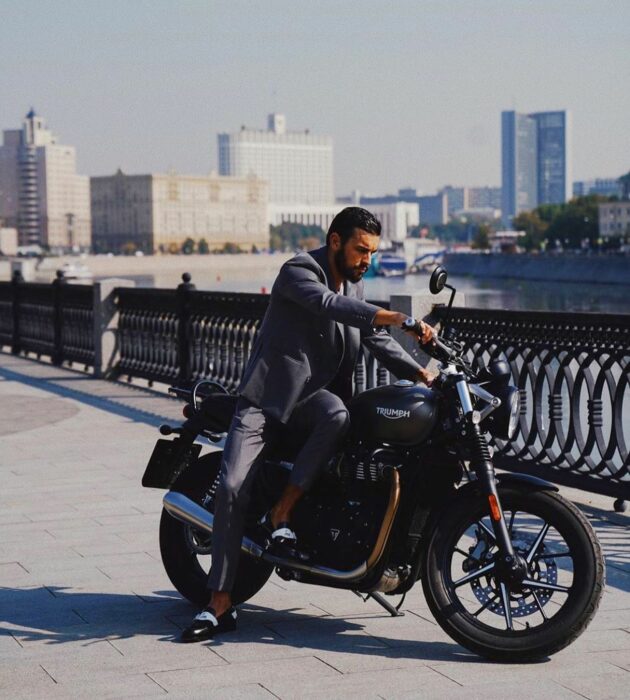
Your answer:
<point x="187" y="411"/>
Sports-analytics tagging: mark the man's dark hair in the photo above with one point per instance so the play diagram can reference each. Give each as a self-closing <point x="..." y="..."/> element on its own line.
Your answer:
<point x="350" y="218"/>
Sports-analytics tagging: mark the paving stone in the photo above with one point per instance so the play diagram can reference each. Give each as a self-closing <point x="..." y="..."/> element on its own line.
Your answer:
<point x="419" y="682"/>
<point x="261" y="644"/>
<point x="105" y="687"/>
<point x="97" y="611"/>
<point x="473" y="670"/>
<point x="246" y="691"/>
<point x="305" y="668"/>
<point x="15" y="679"/>
<point x="601" y="687"/>
<point x="540" y="690"/>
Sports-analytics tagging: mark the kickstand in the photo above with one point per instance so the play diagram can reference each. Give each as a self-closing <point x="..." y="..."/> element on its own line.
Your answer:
<point x="383" y="602"/>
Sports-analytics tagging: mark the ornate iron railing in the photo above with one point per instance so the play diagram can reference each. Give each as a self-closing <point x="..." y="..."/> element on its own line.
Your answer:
<point x="76" y="323"/>
<point x="572" y="370"/>
<point x="148" y="327"/>
<point x="55" y="320"/>
<point x="183" y="335"/>
<point x="220" y="331"/>
<point x="6" y="314"/>
<point x="573" y="373"/>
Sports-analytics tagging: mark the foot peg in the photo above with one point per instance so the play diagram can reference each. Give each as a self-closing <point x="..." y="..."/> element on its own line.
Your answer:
<point x="281" y="540"/>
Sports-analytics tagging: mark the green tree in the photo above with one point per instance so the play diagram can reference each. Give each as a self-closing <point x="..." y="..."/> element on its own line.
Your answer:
<point x="231" y="248"/>
<point x="533" y="227"/>
<point x="576" y="221"/>
<point x="292" y="236"/>
<point x="202" y="247"/>
<point x="188" y="246"/>
<point x="452" y="232"/>
<point x="481" y="237"/>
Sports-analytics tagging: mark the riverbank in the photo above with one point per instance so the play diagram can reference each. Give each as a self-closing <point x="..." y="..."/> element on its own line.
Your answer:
<point x="216" y="271"/>
<point x="564" y="267"/>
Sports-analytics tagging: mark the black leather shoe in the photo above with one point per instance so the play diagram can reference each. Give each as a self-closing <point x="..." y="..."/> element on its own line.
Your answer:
<point x="281" y="540"/>
<point x="207" y="625"/>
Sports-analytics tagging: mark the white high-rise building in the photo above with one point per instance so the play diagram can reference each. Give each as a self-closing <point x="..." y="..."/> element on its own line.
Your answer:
<point x="40" y="192"/>
<point x="297" y="164"/>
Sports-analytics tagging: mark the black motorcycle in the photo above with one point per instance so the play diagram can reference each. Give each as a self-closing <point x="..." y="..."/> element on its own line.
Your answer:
<point x="509" y="568"/>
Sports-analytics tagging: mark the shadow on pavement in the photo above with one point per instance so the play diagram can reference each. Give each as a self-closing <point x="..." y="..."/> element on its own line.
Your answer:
<point x="613" y="532"/>
<point x="111" y="403"/>
<point x="55" y="615"/>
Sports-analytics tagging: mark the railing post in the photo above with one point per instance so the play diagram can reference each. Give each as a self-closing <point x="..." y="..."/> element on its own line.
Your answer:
<point x="58" y="284"/>
<point x="105" y="314"/>
<point x="16" y="281"/>
<point x="419" y="305"/>
<point x="183" y="341"/>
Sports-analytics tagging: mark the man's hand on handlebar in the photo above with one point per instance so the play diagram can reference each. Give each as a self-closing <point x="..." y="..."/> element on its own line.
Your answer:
<point x="426" y="377"/>
<point x="421" y="330"/>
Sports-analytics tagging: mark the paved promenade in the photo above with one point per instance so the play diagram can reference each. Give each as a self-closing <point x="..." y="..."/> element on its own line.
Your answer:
<point x="86" y="609"/>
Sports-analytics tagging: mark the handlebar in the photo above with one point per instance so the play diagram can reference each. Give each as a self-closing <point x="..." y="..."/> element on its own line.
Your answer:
<point x="439" y="348"/>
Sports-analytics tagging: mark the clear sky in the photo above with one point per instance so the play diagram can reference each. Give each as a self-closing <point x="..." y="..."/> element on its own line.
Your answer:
<point x="411" y="91"/>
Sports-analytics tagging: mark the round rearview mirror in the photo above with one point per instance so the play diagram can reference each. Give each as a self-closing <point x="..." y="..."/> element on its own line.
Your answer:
<point x="438" y="279"/>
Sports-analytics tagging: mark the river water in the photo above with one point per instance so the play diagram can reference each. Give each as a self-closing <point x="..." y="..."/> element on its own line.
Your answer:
<point x="511" y="294"/>
<point x="505" y="294"/>
<point x="256" y="273"/>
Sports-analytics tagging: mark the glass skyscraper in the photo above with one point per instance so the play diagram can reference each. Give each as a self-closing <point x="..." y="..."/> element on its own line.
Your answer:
<point x="535" y="160"/>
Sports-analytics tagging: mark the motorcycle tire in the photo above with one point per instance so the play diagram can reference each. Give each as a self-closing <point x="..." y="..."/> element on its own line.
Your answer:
<point x="509" y="639"/>
<point x="178" y="543"/>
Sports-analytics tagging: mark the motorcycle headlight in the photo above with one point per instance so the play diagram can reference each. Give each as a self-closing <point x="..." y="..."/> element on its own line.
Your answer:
<point x="503" y="422"/>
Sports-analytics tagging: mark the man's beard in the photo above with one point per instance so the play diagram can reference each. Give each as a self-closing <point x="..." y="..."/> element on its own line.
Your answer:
<point x="352" y="274"/>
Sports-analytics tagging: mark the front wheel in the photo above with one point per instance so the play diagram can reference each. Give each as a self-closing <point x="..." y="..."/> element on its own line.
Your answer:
<point x="504" y="621"/>
<point x="186" y="552"/>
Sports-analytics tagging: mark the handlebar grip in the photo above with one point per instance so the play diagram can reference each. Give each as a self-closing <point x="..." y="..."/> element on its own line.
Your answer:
<point x="410" y="324"/>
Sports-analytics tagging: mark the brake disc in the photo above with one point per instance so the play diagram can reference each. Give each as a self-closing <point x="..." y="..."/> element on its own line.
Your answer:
<point x="544" y="570"/>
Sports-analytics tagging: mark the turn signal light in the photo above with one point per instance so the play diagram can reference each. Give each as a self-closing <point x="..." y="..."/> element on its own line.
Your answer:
<point x="495" y="511"/>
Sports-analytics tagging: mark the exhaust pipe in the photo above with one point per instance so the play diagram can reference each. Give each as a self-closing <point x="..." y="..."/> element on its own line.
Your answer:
<point x="187" y="511"/>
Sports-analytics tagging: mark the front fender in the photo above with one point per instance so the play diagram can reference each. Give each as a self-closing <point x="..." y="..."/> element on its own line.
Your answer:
<point x="515" y="478"/>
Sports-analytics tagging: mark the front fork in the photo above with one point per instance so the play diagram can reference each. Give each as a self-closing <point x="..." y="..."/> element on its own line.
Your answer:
<point x="481" y="463"/>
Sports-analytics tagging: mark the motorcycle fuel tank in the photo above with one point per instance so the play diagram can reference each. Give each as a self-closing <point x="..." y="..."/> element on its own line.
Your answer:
<point x="403" y="413"/>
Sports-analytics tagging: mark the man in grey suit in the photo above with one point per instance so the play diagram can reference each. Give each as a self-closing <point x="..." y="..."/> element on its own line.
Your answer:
<point x="300" y="370"/>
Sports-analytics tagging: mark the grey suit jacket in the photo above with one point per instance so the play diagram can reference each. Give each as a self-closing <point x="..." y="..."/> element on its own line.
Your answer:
<point x="300" y="343"/>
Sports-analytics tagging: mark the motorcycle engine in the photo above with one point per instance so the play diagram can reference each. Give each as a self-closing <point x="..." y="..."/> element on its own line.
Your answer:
<point x="338" y="521"/>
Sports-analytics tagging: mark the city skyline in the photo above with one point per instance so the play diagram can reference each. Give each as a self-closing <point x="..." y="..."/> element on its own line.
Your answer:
<point x="411" y="95"/>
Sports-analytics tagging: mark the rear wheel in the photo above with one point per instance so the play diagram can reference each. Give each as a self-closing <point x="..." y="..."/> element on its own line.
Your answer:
<point x="480" y="608"/>
<point x="187" y="553"/>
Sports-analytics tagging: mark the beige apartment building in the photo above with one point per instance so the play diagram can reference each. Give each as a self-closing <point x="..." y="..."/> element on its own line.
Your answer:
<point x="157" y="213"/>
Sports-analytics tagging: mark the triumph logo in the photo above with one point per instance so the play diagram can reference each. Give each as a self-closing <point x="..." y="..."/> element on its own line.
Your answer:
<point x="334" y="533"/>
<point x="392" y="413"/>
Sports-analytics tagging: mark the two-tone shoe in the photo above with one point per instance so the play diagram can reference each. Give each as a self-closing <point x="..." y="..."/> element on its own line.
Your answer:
<point x="281" y="540"/>
<point x="207" y="624"/>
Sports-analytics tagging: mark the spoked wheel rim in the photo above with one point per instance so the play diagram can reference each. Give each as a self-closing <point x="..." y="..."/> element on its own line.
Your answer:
<point x="200" y="546"/>
<point x="487" y="598"/>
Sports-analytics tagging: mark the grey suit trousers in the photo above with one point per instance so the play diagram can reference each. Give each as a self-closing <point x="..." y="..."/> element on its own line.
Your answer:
<point x="322" y="415"/>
